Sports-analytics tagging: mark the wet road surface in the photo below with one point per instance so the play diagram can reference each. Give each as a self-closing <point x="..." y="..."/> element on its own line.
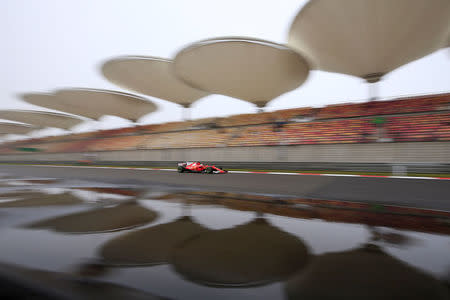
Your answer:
<point x="434" y="194"/>
<point x="72" y="237"/>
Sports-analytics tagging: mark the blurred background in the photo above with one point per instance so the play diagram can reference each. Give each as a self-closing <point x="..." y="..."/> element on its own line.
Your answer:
<point x="101" y="99"/>
<point x="289" y="85"/>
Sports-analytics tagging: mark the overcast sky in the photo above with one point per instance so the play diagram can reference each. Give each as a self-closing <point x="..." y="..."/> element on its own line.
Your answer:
<point x="53" y="44"/>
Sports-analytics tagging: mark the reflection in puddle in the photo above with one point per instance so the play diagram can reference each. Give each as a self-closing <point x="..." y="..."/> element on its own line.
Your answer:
<point x="149" y="246"/>
<point x="363" y="273"/>
<point x="112" y="191"/>
<point x="55" y="196"/>
<point x="120" y="217"/>
<point x="33" y="181"/>
<point x="423" y="220"/>
<point x="5" y="182"/>
<point x="129" y="247"/>
<point x="24" y="283"/>
<point x="250" y="254"/>
<point x="26" y="199"/>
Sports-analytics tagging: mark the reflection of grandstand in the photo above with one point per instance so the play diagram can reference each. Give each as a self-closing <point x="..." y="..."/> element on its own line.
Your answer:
<point x="416" y="119"/>
<point x="330" y="210"/>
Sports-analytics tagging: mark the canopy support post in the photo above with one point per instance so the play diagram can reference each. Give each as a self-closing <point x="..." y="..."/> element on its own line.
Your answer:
<point x="260" y="106"/>
<point x="372" y="80"/>
<point x="373" y="91"/>
<point x="186" y="113"/>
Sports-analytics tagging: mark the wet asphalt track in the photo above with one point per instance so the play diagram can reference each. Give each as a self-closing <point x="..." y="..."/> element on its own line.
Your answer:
<point x="434" y="194"/>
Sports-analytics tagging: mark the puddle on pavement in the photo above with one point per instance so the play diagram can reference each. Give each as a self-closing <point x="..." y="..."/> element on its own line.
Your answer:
<point x="120" y="242"/>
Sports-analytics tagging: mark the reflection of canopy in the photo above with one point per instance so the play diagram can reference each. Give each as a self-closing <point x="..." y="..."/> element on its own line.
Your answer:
<point x="152" y="245"/>
<point x="112" y="190"/>
<point x="253" y="70"/>
<point x="40" y="118"/>
<point x="249" y="254"/>
<point x="367" y="38"/>
<point x="93" y="103"/>
<point x="38" y="284"/>
<point x="366" y="273"/>
<point x="104" y="219"/>
<point x="150" y="76"/>
<point x="12" y="128"/>
<point x="38" y="199"/>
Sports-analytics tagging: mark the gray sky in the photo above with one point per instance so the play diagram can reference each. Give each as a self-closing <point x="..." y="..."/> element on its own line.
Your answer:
<point x="52" y="44"/>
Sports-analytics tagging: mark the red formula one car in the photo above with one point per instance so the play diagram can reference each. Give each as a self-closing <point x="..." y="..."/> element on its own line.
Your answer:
<point x="198" y="167"/>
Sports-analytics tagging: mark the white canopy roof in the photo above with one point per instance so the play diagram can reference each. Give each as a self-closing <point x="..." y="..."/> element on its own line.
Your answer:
<point x="94" y="103"/>
<point x="150" y="76"/>
<point x="13" y="128"/>
<point x="368" y="38"/>
<point x="249" y="69"/>
<point x="41" y="118"/>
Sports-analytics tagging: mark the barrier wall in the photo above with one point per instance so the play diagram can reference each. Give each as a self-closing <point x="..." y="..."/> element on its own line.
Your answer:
<point x="432" y="156"/>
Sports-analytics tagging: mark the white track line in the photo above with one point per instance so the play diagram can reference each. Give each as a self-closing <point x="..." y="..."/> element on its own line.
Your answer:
<point x="251" y="172"/>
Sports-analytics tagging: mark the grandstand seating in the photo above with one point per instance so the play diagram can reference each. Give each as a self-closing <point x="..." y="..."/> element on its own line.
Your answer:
<point x="287" y="114"/>
<point x="424" y="118"/>
<point x="116" y="132"/>
<point x="434" y="127"/>
<point x="185" y="139"/>
<point x="115" y="143"/>
<point x="398" y="106"/>
<point x="247" y="119"/>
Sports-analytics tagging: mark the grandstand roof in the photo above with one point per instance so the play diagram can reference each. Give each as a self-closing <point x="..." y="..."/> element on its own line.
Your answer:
<point x="249" y="69"/>
<point x="41" y="118"/>
<point x="94" y="103"/>
<point x="150" y="76"/>
<point x="13" y="128"/>
<point x="368" y="38"/>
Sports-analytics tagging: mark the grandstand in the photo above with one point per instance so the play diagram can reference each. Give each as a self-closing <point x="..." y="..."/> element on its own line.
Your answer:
<point x="414" y="119"/>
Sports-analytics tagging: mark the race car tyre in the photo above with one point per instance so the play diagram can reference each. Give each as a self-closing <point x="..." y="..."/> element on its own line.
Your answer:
<point x="209" y="170"/>
<point x="180" y="169"/>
